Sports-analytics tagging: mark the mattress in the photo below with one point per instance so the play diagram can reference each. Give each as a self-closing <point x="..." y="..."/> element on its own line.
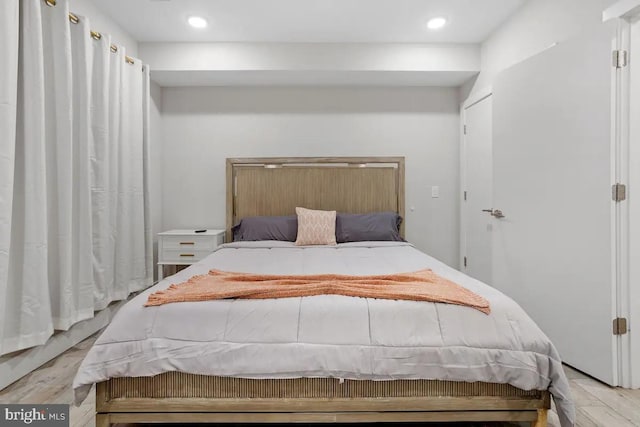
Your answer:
<point x="328" y="335"/>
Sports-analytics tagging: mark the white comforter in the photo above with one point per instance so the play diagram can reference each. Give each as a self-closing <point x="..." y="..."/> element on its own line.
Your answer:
<point x="328" y="335"/>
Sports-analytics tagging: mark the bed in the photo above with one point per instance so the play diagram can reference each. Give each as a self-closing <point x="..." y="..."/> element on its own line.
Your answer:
<point x="325" y="358"/>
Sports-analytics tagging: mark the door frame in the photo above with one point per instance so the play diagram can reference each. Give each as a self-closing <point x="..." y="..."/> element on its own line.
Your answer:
<point x="626" y="234"/>
<point x="627" y="246"/>
<point x="625" y="12"/>
<point x="473" y="99"/>
<point x="632" y="292"/>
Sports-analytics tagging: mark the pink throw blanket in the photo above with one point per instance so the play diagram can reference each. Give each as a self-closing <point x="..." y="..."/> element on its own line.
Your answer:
<point x="422" y="285"/>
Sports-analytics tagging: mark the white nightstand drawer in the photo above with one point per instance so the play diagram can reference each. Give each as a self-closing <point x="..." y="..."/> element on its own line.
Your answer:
<point x="190" y="242"/>
<point x="185" y="255"/>
<point x="185" y="247"/>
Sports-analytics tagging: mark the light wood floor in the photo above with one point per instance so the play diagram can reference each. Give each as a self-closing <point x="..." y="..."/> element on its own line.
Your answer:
<point x="597" y="404"/>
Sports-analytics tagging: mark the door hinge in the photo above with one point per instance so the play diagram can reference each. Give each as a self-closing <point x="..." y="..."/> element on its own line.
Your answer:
<point x="465" y="261"/>
<point x="618" y="192"/>
<point x="619" y="326"/>
<point x="620" y="58"/>
<point x="465" y="196"/>
<point x="464" y="129"/>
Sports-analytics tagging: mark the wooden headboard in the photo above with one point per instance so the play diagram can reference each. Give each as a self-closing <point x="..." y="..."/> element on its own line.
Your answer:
<point x="275" y="186"/>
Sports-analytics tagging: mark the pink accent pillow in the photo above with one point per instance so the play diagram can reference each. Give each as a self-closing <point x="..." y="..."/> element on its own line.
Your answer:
<point x="316" y="227"/>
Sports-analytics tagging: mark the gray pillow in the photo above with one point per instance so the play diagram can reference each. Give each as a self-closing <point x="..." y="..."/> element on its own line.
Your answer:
<point x="378" y="226"/>
<point x="284" y="228"/>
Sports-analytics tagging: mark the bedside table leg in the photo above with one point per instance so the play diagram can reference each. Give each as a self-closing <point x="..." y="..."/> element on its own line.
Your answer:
<point x="160" y="272"/>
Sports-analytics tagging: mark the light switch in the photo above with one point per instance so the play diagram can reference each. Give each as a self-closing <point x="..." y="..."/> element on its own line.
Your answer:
<point x="435" y="191"/>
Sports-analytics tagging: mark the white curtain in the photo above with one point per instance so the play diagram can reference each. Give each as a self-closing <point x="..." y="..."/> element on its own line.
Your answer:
<point x="8" y="98"/>
<point x="74" y="220"/>
<point x="131" y="269"/>
<point x="102" y="155"/>
<point x="9" y="27"/>
<point x="146" y="155"/>
<point x="27" y="319"/>
<point x="68" y="188"/>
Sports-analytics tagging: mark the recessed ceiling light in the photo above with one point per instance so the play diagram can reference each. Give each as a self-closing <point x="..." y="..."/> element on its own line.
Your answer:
<point x="436" y="23"/>
<point x="197" y="22"/>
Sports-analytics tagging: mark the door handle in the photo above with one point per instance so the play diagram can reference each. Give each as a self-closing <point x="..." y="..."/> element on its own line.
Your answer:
<point x="497" y="213"/>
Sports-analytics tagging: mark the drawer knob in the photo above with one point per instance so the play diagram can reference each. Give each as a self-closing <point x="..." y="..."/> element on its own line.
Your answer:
<point x="187" y="243"/>
<point x="187" y="255"/>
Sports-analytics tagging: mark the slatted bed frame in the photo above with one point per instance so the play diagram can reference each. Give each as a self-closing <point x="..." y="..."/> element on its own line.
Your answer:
<point x="275" y="186"/>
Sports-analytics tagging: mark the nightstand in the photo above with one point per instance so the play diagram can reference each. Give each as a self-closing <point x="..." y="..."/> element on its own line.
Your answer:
<point x="185" y="247"/>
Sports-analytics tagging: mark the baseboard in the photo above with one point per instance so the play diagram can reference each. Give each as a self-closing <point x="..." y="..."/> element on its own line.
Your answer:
<point x="12" y="368"/>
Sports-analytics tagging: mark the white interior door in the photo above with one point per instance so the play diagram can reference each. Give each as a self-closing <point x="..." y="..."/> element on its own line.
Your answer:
<point x="478" y="160"/>
<point x="553" y="252"/>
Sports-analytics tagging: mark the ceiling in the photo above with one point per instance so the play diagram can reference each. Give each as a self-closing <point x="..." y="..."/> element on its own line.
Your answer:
<point x="309" y="21"/>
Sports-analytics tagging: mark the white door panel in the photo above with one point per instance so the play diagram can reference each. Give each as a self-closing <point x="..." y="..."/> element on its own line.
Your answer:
<point x="478" y="186"/>
<point x="552" y="143"/>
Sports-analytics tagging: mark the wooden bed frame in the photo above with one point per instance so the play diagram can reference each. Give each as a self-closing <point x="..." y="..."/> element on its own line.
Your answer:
<point x="275" y="186"/>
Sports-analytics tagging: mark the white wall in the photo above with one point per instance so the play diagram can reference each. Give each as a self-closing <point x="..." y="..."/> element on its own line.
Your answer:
<point x="104" y="24"/>
<point x="537" y="25"/>
<point x="203" y="126"/>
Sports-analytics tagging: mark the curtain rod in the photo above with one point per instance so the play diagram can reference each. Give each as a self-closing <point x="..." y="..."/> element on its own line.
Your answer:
<point x="94" y="34"/>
